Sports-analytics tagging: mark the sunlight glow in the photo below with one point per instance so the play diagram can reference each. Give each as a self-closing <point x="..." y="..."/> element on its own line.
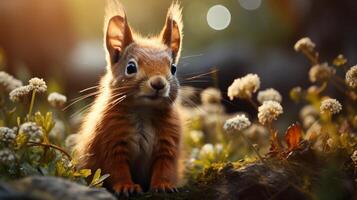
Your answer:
<point x="250" y="4"/>
<point x="218" y="17"/>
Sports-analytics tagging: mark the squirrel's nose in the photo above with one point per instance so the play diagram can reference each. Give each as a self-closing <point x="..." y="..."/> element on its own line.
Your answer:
<point x="157" y="83"/>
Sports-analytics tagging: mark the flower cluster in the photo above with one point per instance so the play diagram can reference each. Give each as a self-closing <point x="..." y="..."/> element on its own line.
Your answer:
<point x="38" y="85"/>
<point x="20" y="93"/>
<point x="7" y="135"/>
<point x="211" y="96"/>
<point x="351" y="77"/>
<point x="32" y="131"/>
<point x="269" y="111"/>
<point x="237" y="123"/>
<point x="7" y="156"/>
<point x="269" y="95"/>
<point x="56" y="100"/>
<point x="8" y="82"/>
<point x="331" y="106"/>
<point x="321" y="72"/>
<point x="244" y="87"/>
<point x="309" y="114"/>
<point x="304" y="44"/>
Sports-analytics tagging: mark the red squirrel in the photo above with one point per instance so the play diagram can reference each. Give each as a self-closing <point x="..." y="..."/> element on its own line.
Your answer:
<point x="132" y="131"/>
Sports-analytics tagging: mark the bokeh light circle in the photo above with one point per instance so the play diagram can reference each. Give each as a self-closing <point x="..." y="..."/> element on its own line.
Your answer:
<point x="250" y="4"/>
<point x="218" y="17"/>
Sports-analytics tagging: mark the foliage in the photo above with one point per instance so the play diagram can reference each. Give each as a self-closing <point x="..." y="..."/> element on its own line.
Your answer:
<point x="28" y="149"/>
<point x="213" y="139"/>
<point x="325" y="129"/>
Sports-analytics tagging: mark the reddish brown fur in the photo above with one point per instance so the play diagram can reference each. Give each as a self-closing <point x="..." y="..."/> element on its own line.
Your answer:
<point x="135" y="139"/>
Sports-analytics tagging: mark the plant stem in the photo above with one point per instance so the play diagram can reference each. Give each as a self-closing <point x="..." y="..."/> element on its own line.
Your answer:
<point x="51" y="146"/>
<point x="340" y="89"/>
<point x="252" y="103"/>
<point x="322" y="87"/>
<point x="254" y="149"/>
<point x="32" y="103"/>
<point x="313" y="58"/>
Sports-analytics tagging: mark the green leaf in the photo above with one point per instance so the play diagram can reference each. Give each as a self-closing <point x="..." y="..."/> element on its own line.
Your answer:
<point x="83" y="173"/>
<point x="96" y="176"/>
<point x="100" y="181"/>
<point x="60" y="168"/>
<point x="97" y="180"/>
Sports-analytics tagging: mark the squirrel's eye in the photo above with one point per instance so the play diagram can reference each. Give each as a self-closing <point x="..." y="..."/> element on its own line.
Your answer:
<point x="173" y="69"/>
<point x="131" y="68"/>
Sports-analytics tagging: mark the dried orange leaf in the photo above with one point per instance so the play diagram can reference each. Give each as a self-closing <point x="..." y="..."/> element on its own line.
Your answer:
<point x="293" y="136"/>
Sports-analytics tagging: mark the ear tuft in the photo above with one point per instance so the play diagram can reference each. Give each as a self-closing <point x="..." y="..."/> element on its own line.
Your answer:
<point x="172" y="34"/>
<point x="113" y="8"/>
<point x="117" y="33"/>
<point x="175" y="13"/>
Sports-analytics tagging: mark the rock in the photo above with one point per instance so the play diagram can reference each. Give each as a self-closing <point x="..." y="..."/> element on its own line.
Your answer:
<point x="50" y="188"/>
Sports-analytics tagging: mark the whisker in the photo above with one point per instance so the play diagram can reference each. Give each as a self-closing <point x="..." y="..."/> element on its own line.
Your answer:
<point x="192" y="56"/>
<point x="82" y="110"/>
<point x="117" y="101"/>
<point x="193" y="104"/>
<point x="195" y="81"/>
<point x="78" y="99"/>
<point x="204" y="74"/>
<point x="90" y="88"/>
<point x="85" y="95"/>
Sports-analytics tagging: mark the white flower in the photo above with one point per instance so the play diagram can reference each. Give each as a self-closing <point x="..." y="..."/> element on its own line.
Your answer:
<point x="71" y="141"/>
<point x="304" y="43"/>
<point x="195" y="152"/>
<point x="237" y="123"/>
<point x="256" y="131"/>
<point x="321" y="72"/>
<point x="207" y="150"/>
<point x="211" y="96"/>
<point x="20" y="93"/>
<point x="331" y="106"/>
<point x="269" y="111"/>
<point x="308" y="121"/>
<point x="244" y="87"/>
<point x="219" y="148"/>
<point x="32" y="130"/>
<point x="7" y="156"/>
<point x="308" y="110"/>
<point x="8" y="82"/>
<point x="7" y="135"/>
<point x="313" y="132"/>
<point x="196" y="136"/>
<point x="56" y="100"/>
<point x="37" y="84"/>
<point x="269" y="94"/>
<point x="351" y="77"/>
<point x="58" y="132"/>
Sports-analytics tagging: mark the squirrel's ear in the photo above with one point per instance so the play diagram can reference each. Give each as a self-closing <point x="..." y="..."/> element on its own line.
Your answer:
<point x="117" y="33"/>
<point x="172" y="35"/>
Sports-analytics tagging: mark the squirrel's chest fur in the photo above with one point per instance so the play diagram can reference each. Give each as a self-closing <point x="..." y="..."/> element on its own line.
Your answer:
<point x="141" y="146"/>
<point x="142" y="141"/>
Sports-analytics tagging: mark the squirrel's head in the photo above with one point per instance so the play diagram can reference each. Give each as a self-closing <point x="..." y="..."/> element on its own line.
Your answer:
<point x="143" y="68"/>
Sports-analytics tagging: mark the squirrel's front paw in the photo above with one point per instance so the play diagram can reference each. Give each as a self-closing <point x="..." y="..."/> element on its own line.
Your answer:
<point x="127" y="188"/>
<point x="163" y="187"/>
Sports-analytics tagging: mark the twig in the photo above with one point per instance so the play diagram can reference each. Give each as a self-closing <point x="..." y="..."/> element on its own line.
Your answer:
<point x="51" y="146"/>
<point x="254" y="149"/>
<point x="252" y="103"/>
<point x="31" y="104"/>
